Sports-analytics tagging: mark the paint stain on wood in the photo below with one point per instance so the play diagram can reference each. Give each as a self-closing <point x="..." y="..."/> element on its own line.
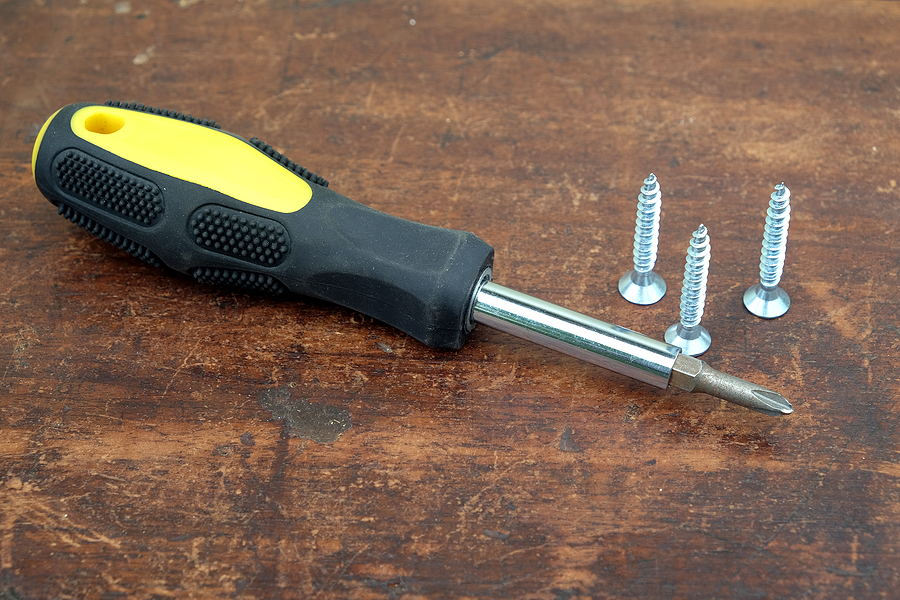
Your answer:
<point x="313" y="421"/>
<point x="497" y="535"/>
<point x="567" y="441"/>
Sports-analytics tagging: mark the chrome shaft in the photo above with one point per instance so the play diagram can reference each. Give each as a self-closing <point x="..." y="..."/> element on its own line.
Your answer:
<point x="594" y="341"/>
<point x="615" y="348"/>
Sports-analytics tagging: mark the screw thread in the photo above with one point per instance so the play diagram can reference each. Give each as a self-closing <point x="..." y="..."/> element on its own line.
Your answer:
<point x="774" y="245"/>
<point x="646" y="231"/>
<point x="696" y="273"/>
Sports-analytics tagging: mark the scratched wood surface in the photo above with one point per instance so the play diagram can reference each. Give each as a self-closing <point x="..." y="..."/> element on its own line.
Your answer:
<point x="159" y="438"/>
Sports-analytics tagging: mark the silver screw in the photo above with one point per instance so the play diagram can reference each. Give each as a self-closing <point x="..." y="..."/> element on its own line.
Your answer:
<point x="642" y="285"/>
<point x="688" y="334"/>
<point x="766" y="299"/>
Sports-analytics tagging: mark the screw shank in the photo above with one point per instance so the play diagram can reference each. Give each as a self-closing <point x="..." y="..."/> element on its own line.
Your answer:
<point x="778" y="218"/>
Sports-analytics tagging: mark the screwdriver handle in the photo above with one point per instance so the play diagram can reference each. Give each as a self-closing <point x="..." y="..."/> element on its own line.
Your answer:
<point x="177" y="191"/>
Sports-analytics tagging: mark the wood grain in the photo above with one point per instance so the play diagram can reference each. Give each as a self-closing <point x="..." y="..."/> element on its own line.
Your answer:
<point x="142" y="454"/>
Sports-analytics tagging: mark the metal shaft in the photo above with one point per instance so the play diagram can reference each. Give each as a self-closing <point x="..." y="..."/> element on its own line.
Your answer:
<point x="603" y="344"/>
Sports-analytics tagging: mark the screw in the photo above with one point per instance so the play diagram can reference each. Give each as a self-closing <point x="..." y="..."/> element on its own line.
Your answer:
<point x="688" y="334"/>
<point x="766" y="299"/>
<point x="643" y="285"/>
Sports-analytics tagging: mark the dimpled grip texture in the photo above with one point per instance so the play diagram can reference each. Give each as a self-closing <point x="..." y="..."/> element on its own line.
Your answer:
<point x="239" y="279"/>
<point x="239" y="234"/>
<point x="108" y="235"/>
<point x="101" y="183"/>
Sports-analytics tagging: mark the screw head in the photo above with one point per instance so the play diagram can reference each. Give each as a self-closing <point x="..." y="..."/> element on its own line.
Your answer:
<point x="693" y="341"/>
<point x="642" y="288"/>
<point x="767" y="303"/>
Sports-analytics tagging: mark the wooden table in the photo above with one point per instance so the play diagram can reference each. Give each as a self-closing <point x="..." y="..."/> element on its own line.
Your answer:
<point x="141" y="454"/>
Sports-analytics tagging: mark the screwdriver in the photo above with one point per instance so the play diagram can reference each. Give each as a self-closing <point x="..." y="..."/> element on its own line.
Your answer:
<point x="178" y="191"/>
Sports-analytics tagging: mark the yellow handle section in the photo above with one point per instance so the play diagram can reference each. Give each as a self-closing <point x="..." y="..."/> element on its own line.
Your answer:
<point x="37" y="144"/>
<point x="193" y="153"/>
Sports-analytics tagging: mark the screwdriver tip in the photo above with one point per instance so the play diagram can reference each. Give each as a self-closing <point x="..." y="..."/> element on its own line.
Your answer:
<point x="694" y="375"/>
<point x="778" y="404"/>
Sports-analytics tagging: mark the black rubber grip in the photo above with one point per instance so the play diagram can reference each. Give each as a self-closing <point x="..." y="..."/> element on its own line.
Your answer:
<point x="416" y="277"/>
<point x="97" y="182"/>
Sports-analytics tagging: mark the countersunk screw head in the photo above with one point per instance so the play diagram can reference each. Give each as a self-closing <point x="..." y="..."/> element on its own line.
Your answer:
<point x="642" y="288"/>
<point x="767" y="303"/>
<point x="692" y="342"/>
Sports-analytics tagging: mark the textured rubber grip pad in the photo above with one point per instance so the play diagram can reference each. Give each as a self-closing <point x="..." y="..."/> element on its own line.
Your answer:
<point x="108" y="235"/>
<point x="239" y="279"/>
<point x="98" y="182"/>
<point x="239" y="234"/>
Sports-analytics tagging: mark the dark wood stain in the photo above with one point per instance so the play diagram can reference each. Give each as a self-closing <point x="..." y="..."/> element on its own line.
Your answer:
<point x="315" y="421"/>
